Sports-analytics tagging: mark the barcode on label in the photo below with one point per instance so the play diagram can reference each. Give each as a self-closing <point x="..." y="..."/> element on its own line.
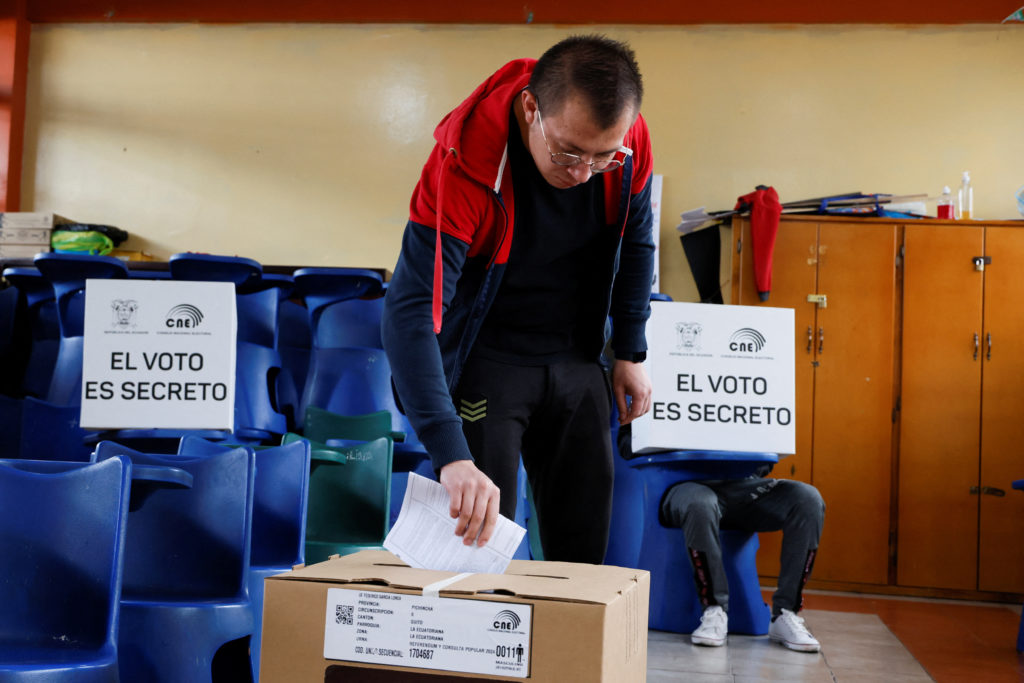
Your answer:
<point x="343" y="615"/>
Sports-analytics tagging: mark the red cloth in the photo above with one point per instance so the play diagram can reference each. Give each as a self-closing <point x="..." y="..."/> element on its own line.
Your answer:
<point x="765" y="210"/>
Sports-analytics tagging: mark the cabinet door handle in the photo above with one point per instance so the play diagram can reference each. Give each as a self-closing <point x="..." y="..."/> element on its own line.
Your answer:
<point x="821" y="339"/>
<point x="993" y="491"/>
<point x="988" y="340"/>
<point x="974" y="490"/>
<point x="976" y="346"/>
<point x="810" y="338"/>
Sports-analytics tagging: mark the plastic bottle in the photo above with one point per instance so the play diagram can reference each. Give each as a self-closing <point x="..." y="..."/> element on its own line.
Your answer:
<point x="966" y="198"/>
<point x="945" y="206"/>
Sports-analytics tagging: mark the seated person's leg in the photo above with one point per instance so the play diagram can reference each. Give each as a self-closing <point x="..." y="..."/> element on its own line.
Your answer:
<point x="801" y="532"/>
<point x="694" y="508"/>
<point x="798" y="510"/>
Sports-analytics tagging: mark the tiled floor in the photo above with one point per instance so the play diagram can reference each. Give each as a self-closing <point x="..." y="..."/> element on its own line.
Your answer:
<point x="863" y="638"/>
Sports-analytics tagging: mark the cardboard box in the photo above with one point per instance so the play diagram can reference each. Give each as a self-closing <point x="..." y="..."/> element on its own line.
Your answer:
<point x="370" y="617"/>
<point x="9" y="235"/>
<point x="23" y="234"/>
<point x="722" y="377"/>
<point x="31" y="219"/>
<point x="21" y="250"/>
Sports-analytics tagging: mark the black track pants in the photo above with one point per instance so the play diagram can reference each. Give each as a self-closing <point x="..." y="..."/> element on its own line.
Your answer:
<point x="558" y="417"/>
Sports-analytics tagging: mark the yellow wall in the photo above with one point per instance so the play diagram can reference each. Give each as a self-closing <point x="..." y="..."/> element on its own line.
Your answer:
<point x="300" y="144"/>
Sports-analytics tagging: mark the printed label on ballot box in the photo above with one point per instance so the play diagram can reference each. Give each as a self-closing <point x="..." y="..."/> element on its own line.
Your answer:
<point x="450" y="634"/>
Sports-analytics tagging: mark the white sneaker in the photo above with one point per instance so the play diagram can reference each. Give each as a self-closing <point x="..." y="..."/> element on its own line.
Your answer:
<point x="714" y="626"/>
<point x="789" y="630"/>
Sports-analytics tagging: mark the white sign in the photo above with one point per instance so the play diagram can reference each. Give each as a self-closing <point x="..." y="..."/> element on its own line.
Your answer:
<point x="723" y="379"/>
<point x="450" y="634"/>
<point x="158" y="354"/>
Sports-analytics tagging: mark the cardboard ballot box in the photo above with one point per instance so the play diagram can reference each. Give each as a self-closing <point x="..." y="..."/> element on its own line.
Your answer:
<point x="370" y="617"/>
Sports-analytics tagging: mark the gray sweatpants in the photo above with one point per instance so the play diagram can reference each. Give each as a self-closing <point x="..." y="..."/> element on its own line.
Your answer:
<point x="701" y="508"/>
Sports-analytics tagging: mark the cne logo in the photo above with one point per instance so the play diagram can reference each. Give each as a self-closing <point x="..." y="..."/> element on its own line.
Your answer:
<point x="183" y="316"/>
<point x="506" y="620"/>
<point x="747" y="340"/>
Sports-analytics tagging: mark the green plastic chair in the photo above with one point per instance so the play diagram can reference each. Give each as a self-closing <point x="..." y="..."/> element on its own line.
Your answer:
<point x="321" y="425"/>
<point x="349" y="497"/>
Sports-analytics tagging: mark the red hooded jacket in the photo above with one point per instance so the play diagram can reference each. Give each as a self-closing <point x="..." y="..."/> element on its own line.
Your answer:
<point x="457" y="243"/>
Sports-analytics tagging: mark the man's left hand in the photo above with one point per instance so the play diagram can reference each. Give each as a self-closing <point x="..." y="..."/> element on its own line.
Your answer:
<point x="630" y="379"/>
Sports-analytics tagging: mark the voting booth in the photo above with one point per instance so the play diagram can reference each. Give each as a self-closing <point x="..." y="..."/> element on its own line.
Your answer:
<point x="723" y="379"/>
<point x="159" y="354"/>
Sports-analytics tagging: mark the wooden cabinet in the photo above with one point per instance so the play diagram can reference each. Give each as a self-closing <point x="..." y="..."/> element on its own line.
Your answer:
<point x="960" y="525"/>
<point x="845" y="373"/>
<point x="909" y="396"/>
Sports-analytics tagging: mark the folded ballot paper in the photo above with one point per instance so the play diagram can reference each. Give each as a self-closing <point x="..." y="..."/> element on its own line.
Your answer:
<point x="424" y="534"/>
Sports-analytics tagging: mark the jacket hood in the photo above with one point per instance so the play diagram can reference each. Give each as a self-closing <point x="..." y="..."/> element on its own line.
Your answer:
<point x="478" y="128"/>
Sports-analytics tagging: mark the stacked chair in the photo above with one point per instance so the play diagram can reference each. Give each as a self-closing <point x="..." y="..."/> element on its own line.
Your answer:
<point x="349" y="496"/>
<point x="49" y="417"/>
<point x="36" y="312"/>
<point x="185" y="608"/>
<point x="62" y="539"/>
<point x="280" y="498"/>
<point x="349" y="373"/>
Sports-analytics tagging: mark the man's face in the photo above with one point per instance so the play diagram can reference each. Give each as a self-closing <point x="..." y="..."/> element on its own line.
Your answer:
<point x="573" y="131"/>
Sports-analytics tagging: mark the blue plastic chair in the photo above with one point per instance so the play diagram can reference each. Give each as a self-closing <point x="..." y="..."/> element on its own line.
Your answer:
<point x="322" y="287"/>
<point x="52" y="432"/>
<point x="353" y="322"/>
<point x="50" y="428"/>
<point x="244" y="273"/>
<point x="638" y="539"/>
<point x="260" y="310"/>
<point x="62" y="536"/>
<point x="46" y="420"/>
<point x="11" y="363"/>
<point x="258" y="364"/>
<point x="349" y="373"/>
<point x="67" y="274"/>
<point x="294" y="344"/>
<point x="356" y="381"/>
<point x="185" y="609"/>
<point x="281" y="494"/>
<point x="10" y="427"/>
<point x="40" y="314"/>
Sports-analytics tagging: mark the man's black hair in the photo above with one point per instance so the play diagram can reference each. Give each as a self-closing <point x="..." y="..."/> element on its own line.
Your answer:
<point x="602" y="70"/>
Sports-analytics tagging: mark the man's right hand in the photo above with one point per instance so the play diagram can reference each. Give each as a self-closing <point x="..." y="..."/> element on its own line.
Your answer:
<point x="474" y="501"/>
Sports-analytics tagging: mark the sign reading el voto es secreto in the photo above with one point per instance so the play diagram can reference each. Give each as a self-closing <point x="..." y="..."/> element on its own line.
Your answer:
<point x="158" y="354"/>
<point x="722" y="378"/>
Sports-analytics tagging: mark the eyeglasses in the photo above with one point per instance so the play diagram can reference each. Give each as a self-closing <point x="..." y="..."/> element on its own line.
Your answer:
<point x="566" y="159"/>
